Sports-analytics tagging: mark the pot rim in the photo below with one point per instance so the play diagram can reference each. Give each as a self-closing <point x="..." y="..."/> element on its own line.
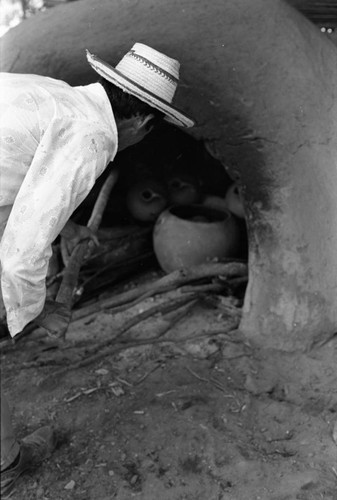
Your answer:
<point x="219" y="215"/>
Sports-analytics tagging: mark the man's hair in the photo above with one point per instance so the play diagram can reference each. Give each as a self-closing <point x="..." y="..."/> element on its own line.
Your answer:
<point x="125" y="105"/>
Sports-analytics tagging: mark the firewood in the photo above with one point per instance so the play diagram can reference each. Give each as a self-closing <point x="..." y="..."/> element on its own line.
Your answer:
<point x="115" y="252"/>
<point x="107" y="275"/>
<point x="174" y="280"/>
<point x="70" y="276"/>
<point x="167" y="283"/>
<point x="115" y="349"/>
<point x="162" y="308"/>
<point x="178" y="316"/>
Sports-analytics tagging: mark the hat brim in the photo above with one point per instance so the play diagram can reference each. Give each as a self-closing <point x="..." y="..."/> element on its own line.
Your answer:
<point x="172" y="114"/>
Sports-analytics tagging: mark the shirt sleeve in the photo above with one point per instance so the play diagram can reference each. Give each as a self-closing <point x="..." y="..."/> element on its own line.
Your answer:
<point x="69" y="158"/>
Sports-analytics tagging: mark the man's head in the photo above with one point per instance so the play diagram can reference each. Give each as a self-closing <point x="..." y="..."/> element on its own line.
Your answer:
<point x="134" y="118"/>
<point x="150" y="77"/>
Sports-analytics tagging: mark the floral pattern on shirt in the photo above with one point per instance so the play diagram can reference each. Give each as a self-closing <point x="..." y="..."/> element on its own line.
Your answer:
<point x="55" y="141"/>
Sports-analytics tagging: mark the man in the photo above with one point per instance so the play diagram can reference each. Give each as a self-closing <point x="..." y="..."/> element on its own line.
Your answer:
<point x="55" y="142"/>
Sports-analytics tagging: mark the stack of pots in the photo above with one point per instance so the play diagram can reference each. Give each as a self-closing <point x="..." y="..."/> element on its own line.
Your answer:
<point x="186" y="233"/>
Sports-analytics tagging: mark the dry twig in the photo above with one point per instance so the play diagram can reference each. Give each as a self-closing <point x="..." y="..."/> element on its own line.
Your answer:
<point x="113" y="350"/>
<point x="182" y="313"/>
<point x="143" y="377"/>
<point x="167" y="307"/>
<point x="162" y="308"/>
<point x="172" y="281"/>
<point x="208" y="287"/>
<point x="214" y="382"/>
<point x="70" y="275"/>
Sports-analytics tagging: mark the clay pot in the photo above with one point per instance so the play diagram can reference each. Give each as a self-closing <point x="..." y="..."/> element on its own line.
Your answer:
<point x="215" y="202"/>
<point x="146" y="200"/>
<point x="183" y="189"/>
<point x="234" y="201"/>
<point x="185" y="236"/>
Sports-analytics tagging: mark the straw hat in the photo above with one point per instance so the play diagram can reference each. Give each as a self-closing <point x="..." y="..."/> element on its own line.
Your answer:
<point x="149" y="75"/>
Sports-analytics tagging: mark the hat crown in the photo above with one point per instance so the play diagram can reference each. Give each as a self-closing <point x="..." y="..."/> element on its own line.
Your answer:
<point x="150" y="76"/>
<point x="152" y="70"/>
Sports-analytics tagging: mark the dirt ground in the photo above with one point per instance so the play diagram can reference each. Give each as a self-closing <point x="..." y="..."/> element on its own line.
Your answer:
<point x="210" y="418"/>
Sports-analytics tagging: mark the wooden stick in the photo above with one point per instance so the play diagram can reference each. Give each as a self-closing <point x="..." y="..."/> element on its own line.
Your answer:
<point x="112" y="350"/>
<point x="182" y="313"/>
<point x="208" y="287"/>
<point x="70" y="276"/>
<point x="183" y="305"/>
<point x="117" y="267"/>
<point x="167" y="283"/>
<point x="163" y="308"/>
<point x="179" y="278"/>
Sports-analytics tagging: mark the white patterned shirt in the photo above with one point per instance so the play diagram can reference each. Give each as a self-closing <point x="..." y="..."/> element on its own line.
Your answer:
<point x="55" y="140"/>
